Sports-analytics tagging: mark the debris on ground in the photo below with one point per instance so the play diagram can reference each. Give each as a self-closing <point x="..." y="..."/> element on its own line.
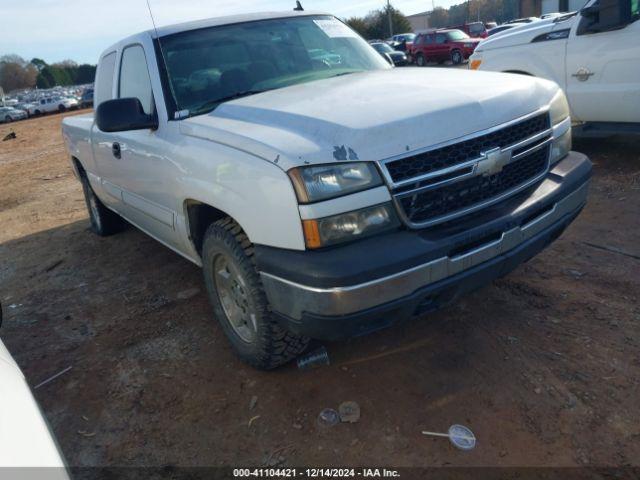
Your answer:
<point x="188" y="294"/>
<point x="328" y="418"/>
<point x="10" y="136"/>
<point x="317" y="358"/>
<point x="253" y="402"/>
<point x="53" y="377"/>
<point x="459" y="436"/>
<point x="253" y="419"/>
<point x="349" y="412"/>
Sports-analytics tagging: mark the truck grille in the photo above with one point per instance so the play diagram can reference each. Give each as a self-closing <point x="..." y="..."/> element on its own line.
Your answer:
<point x="434" y="160"/>
<point x="442" y="202"/>
<point x="445" y="183"/>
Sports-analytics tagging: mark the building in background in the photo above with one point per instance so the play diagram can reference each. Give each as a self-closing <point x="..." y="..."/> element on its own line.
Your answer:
<point x="535" y="8"/>
<point x="419" y="21"/>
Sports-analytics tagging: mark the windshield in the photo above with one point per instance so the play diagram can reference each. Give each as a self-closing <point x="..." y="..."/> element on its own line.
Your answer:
<point x="209" y="66"/>
<point x="383" y="48"/>
<point x="457" y="35"/>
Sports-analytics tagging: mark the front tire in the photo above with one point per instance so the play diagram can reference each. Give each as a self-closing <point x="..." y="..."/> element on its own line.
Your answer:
<point x="104" y="222"/>
<point x="239" y="302"/>
<point x="62" y="108"/>
<point x="8" y="119"/>
<point x="420" y="60"/>
<point x="456" y="57"/>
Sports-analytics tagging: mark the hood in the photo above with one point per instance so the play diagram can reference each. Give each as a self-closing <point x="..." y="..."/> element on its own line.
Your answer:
<point x="370" y="115"/>
<point x="525" y="33"/>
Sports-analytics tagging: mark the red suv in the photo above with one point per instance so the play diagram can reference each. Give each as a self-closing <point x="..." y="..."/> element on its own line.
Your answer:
<point x="473" y="29"/>
<point x="442" y="45"/>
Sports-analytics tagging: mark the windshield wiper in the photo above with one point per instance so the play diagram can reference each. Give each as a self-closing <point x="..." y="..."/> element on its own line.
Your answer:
<point x="212" y="104"/>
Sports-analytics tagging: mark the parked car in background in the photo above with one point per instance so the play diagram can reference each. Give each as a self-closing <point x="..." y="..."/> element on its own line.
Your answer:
<point x="402" y="40"/>
<point x="503" y="28"/>
<point x="27" y="107"/>
<point x="26" y="441"/>
<point x="399" y="38"/>
<point x="319" y="202"/>
<point x="490" y="25"/>
<point x="553" y="15"/>
<point x="473" y="29"/>
<point x="399" y="58"/>
<point x="441" y="46"/>
<point x="54" y="104"/>
<point x="10" y="114"/>
<point x="86" y="100"/>
<point x="593" y="55"/>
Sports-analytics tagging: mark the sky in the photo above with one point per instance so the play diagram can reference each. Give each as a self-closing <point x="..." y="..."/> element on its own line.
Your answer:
<point x="80" y="30"/>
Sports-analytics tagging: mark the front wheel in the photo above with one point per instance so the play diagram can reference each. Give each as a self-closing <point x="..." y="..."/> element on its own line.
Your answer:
<point x="239" y="302"/>
<point x="8" y="119"/>
<point x="62" y="108"/>
<point x="456" y="57"/>
<point x="420" y="60"/>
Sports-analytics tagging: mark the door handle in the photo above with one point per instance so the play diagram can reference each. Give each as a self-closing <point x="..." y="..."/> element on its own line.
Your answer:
<point x="583" y="74"/>
<point x="115" y="149"/>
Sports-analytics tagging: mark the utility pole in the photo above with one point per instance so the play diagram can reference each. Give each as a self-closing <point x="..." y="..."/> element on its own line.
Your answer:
<point x="390" y="19"/>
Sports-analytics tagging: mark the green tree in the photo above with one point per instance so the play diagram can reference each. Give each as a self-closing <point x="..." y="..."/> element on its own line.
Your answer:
<point x="376" y="23"/>
<point x="38" y="63"/>
<point x="359" y="25"/>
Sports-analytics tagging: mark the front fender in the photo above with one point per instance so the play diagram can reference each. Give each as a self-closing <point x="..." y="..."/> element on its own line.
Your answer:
<point x="256" y="193"/>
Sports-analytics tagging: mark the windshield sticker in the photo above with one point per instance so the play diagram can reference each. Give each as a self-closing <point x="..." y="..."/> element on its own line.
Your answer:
<point x="335" y="29"/>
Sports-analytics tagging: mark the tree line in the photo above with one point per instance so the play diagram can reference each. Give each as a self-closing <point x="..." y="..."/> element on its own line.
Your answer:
<point x="475" y="10"/>
<point x="375" y="25"/>
<point x="16" y="73"/>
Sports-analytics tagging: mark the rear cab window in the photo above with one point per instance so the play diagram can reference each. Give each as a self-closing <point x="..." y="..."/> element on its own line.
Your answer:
<point x="104" y="78"/>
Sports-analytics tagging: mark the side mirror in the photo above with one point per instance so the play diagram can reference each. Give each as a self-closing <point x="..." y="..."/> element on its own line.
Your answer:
<point x="122" y="114"/>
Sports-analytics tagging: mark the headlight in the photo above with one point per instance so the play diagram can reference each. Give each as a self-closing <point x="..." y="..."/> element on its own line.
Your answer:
<point x="315" y="183"/>
<point x="349" y="226"/>
<point x="559" y="109"/>
<point x="561" y="146"/>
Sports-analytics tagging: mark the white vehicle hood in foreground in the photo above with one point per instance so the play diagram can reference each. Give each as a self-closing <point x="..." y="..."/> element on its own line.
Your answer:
<point x="370" y="115"/>
<point x="25" y="439"/>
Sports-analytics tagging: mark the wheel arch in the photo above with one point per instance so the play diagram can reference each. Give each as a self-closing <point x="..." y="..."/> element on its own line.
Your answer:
<point x="78" y="168"/>
<point x="198" y="216"/>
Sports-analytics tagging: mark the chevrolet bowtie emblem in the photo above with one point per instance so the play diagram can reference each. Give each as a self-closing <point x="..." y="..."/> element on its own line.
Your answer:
<point x="494" y="161"/>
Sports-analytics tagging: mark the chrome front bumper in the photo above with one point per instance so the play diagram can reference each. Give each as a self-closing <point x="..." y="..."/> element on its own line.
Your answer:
<point x="293" y="300"/>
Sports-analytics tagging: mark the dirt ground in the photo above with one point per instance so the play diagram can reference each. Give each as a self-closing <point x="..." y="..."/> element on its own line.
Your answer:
<point x="543" y="365"/>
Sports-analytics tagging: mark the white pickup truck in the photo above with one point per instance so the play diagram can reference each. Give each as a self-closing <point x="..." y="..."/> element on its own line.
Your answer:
<point x="322" y="199"/>
<point x="593" y="54"/>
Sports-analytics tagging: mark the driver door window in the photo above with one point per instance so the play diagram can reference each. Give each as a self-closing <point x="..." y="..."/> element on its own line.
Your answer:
<point x="607" y="15"/>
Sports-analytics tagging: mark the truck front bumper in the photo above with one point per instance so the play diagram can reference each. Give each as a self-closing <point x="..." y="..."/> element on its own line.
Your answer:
<point x="358" y="288"/>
